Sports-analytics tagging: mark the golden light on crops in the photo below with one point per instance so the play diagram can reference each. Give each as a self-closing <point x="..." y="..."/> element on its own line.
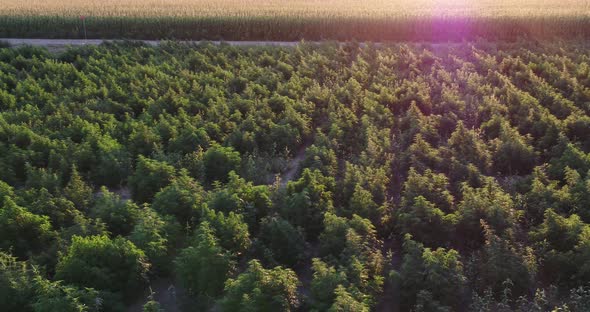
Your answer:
<point x="293" y="20"/>
<point x="306" y="8"/>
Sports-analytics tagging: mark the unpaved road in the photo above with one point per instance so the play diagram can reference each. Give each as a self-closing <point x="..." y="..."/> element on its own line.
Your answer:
<point x="81" y="42"/>
<point x="294" y="164"/>
<point x="60" y="44"/>
<point x="164" y="292"/>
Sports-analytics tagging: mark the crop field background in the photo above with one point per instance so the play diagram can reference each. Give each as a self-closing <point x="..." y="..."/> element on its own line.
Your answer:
<point x="297" y="8"/>
<point x="377" y="20"/>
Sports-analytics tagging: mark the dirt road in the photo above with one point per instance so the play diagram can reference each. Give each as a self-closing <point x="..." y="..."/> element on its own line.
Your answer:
<point x="294" y="165"/>
<point x="81" y="42"/>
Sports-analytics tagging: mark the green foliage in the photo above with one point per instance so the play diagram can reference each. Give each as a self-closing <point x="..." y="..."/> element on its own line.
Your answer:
<point x="324" y="284"/>
<point x="57" y="297"/>
<point x="572" y="157"/>
<point x="78" y="191"/>
<point x="544" y="193"/>
<point x="422" y="155"/>
<point x="61" y="211"/>
<point x="104" y="264"/>
<point x="230" y="229"/>
<point x="16" y="284"/>
<point x="437" y="274"/>
<point x="502" y="261"/>
<point x="321" y="158"/>
<point x="143" y="140"/>
<point x="379" y="141"/>
<point x="204" y="267"/>
<point x="432" y="186"/>
<point x="308" y="199"/>
<point x="564" y="245"/>
<point x="558" y="232"/>
<point x="344" y="302"/>
<point x="6" y="190"/>
<point x="259" y="289"/>
<point x="113" y="162"/>
<point x="512" y="154"/>
<point x="281" y="242"/>
<point x="22" y="288"/>
<point x="468" y="147"/>
<point x="152" y="306"/>
<point x="219" y="161"/>
<point x="332" y="238"/>
<point x="426" y="222"/>
<point x="188" y="140"/>
<point x="353" y="244"/>
<point x="42" y="178"/>
<point x="362" y="203"/>
<point x="21" y="231"/>
<point x="489" y="203"/>
<point x="156" y="237"/>
<point x="119" y="215"/>
<point x="149" y="178"/>
<point x="239" y="196"/>
<point x="182" y="199"/>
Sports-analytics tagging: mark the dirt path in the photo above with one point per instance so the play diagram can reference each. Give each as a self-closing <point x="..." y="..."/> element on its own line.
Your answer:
<point x="55" y="43"/>
<point x="164" y="292"/>
<point x="61" y="44"/>
<point x="294" y="165"/>
<point x="389" y="301"/>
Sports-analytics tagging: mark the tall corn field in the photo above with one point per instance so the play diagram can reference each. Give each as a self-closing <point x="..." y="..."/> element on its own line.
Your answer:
<point x="433" y="20"/>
